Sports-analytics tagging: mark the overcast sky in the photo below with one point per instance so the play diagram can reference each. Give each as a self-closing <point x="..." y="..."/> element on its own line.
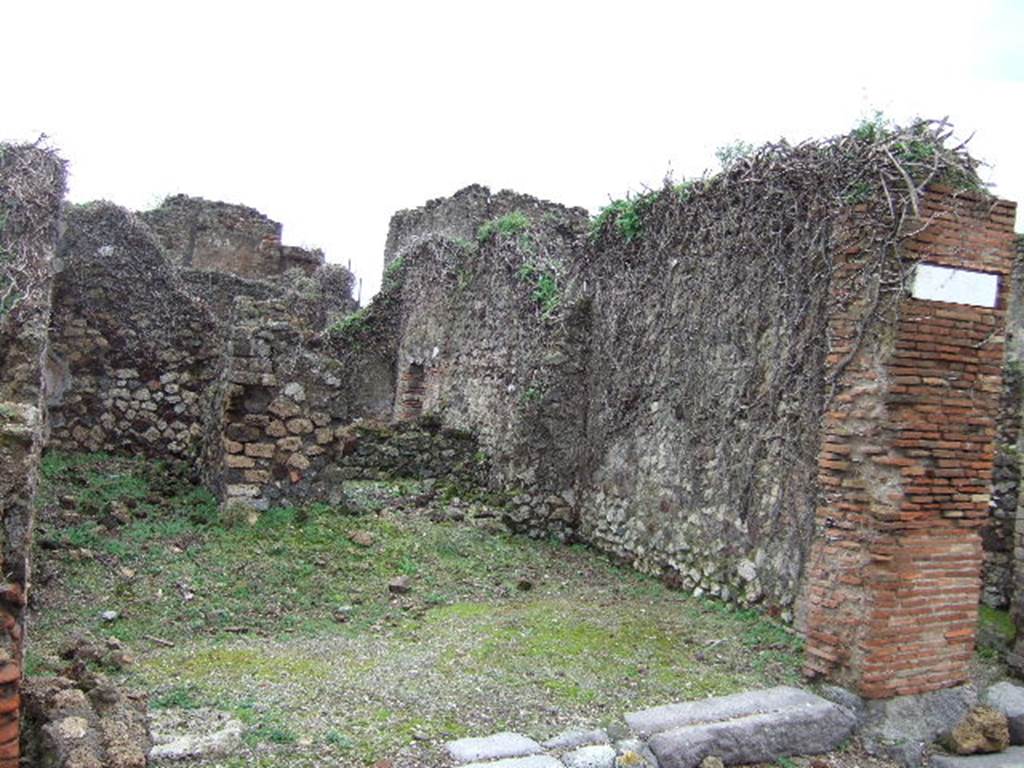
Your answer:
<point x="329" y="116"/>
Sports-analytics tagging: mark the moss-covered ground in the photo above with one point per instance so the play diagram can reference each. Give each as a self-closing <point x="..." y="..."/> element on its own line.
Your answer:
<point x="290" y="624"/>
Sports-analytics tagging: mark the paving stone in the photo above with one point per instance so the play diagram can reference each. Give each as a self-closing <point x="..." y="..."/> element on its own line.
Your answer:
<point x="788" y="724"/>
<point x="656" y="719"/>
<point x="901" y="728"/>
<point x="594" y="756"/>
<point x="1011" y="758"/>
<point x="533" y="761"/>
<point x="845" y="698"/>
<point x="573" y="739"/>
<point x="1009" y="699"/>
<point x="492" y="747"/>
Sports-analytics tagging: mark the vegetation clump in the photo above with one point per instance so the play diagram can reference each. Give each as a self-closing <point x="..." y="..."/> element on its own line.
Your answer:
<point x="545" y="287"/>
<point x="509" y="225"/>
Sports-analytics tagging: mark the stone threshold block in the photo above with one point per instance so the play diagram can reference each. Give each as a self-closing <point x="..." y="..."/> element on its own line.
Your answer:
<point x="493" y="747"/>
<point x="750" y="727"/>
<point x="1011" y="758"/>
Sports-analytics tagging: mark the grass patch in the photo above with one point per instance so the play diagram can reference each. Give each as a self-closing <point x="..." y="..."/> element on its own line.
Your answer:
<point x="253" y="615"/>
<point x="1000" y="623"/>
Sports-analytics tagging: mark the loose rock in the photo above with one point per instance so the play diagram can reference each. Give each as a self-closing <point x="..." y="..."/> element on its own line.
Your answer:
<point x="983" y="730"/>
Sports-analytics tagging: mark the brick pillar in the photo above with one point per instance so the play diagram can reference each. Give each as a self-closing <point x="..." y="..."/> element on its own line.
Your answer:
<point x="31" y="189"/>
<point x="905" y="467"/>
<point x="411" y="389"/>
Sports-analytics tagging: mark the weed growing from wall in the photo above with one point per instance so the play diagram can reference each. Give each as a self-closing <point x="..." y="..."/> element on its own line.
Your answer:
<point x="626" y="215"/>
<point x="350" y="324"/>
<point x="509" y="225"/>
<point x="545" y="287"/>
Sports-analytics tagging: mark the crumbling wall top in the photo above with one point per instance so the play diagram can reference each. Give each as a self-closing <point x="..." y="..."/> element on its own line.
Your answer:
<point x="225" y="237"/>
<point x="460" y="216"/>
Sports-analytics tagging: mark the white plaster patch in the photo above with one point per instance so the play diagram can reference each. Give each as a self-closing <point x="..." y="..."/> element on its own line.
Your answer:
<point x="956" y="286"/>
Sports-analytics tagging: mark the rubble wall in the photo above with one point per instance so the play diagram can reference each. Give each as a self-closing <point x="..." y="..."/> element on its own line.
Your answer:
<point x="133" y="352"/>
<point x="31" y="189"/>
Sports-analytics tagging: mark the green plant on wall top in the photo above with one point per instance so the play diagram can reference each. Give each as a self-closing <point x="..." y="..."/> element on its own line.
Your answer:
<point x="510" y="224"/>
<point x="626" y="215"/>
<point x="911" y="148"/>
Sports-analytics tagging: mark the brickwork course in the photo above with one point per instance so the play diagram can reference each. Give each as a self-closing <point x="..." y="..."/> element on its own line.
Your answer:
<point x="906" y="465"/>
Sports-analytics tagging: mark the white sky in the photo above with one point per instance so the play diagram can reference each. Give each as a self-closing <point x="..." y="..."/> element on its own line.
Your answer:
<point x="329" y="116"/>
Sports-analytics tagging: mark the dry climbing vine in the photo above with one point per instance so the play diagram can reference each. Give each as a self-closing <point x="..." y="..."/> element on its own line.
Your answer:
<point x="29" y="177"/>
<point x="713" y="299"/>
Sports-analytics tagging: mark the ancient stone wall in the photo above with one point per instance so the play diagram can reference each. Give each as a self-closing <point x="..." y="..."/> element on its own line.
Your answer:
<point x="906" y="463"/>
<point x="31" y="189"/>
<point x="458" y="218"/>
<point x="739" y="383"/>
<point x="138" y="344"/>
<point x="705" y="378"/>
<point x="486" y="355"/>
<point x="222" y="237"/>
<point x="133" y="352"/>
<point x="282" y="405"/>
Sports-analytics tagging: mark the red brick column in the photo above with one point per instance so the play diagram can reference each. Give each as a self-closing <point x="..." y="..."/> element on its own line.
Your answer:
<point x="905" y="468"/>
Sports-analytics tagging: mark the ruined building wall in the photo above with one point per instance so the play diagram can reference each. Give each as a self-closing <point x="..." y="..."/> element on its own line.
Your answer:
<point x="458" y="218"/>
<point x="287" y="394"/>
<point x="905" y="466"/>
<point x="133" y="353"/>
<point x="222" y="237"/>
<point x="722" y="391"/>
<point x="31" y="189"/>
<point x="486" y="356"/>
<point x="139" y="345"/>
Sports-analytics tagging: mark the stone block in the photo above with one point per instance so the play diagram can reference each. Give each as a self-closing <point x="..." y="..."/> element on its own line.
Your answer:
<point x="298" y="461"/>
<point x="573" y="739"/>
<point x="533" y="761"/>
<point x="260" y="450"/>
<point x="300" y="426"/>
<point x="647" y="722"/>
<point x="1008" y="698"/>
<point x="1011" y="758"/>
<point x="593" y="756"/>
<point x="237" y="461"/>
<point x="983" y="730"/>
<point x="289" y="443"/>
<point x="494" y="747"/>
<point x="757" y="726"/>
